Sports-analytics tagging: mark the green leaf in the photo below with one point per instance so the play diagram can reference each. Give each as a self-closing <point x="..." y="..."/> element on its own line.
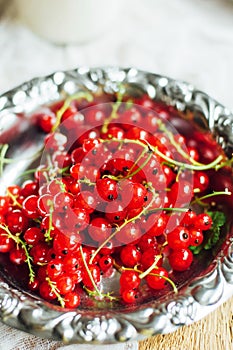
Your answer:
<point x="219" y="220"/>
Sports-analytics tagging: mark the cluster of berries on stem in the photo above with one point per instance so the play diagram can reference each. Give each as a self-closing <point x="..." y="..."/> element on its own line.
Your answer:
<point x="117" y="190"/>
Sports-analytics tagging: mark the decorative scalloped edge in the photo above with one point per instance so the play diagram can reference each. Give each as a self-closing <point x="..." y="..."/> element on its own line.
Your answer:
<point x="193" y="302"/>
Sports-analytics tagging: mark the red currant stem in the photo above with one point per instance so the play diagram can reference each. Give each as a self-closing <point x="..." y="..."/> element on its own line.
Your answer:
<point x="170" y="135"/>
<point x="105" y="295"/>
<point x="47" y="234"/>
<point x="137" y="160"/>
<point x="87" y="182"/>
<point x="123" y="225"/>
<point x="228" y="162"/>
<point x="31" y="171"/>
<point x="115" y="107"/>
<point x="63" y="170"/>
<point x="157" y="275"/>
<point x="211" y="165"/>
<point x="54" y="289"/>
<point x="128" y="104"/>
<point x="139" y="168"/>
<point x="181" y="165"/>
<point x="3" y="151"/>
<point x="168" y="280"/>
<point x="89" y="273"/>
<point x="122" y="268"/>
<point x="153" y="266"/>
<point x="182" y="210"/>
<point x="119" y="267"/>
<point x="178" y="173"/>
<point x="112" y="116"/>
<point x="17" y="240"/>
<point x="78" y="96"/>
<point x="61" y="184"/>
<point x="118" y="178"/>
<point x="14" y="199"/>
<point x="200" y="199"/>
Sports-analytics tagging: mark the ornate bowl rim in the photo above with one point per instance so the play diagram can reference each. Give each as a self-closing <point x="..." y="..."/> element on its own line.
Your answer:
<point x="197" y="299"/>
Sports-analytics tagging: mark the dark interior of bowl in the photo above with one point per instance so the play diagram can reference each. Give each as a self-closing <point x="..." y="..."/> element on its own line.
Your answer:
<point x="25" y="139"/>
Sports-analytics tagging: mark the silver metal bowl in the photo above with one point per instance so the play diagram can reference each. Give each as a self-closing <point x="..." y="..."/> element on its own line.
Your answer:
<point x="201" y="290"/>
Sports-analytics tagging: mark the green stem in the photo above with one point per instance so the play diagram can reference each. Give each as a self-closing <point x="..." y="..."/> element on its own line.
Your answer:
<point x="200" y="199"/>
<point x="89" y="273"/>
<point x="181" y="210"/>
<point x="122" y="268"/>
<point x="170" y="135"/>
<point x="126" y="222"/>
<point x="92" y="293"/>
<point x="79" y="95"/>
<point x="137" y="160"/>
<point x="115" y="107"/>
<point x="17" y="240"/>
<point x="168" y="280"/>
<point x="87" y="182"/>
<point x="47" y="234"/>
<point x="54" y="289"/>
<point x="211" y="165"/>
<point x="139" y="168"/>
<point x="155" y="150"/>
<point x="14" y="199"/>
<point x="3" y="152"/>
<point x="153" y="266"/>
<point x="112" y="116"/>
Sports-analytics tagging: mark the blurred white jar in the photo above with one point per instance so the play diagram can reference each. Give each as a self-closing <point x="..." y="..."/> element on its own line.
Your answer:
<point x="68" y="21"/>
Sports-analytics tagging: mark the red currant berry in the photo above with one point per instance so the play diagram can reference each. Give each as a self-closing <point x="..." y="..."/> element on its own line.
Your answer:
<point x="29" y="188"/>
<point x="196" y="237"/>
<point x="95" y="273"/>
<point x="46" y="291"/>
<point x="99" y="229"/>
<point x="4" y="204"/>
<point x="65" y="284"/>
<point x="129" y="233"/>
<point x="54" y="268"/>
<point x="86" y="200"/>
<point x="203" y="221"/>
<point x="130" y="255"/>
<point x="130" y="296"/>
<point x="115" y="211"/>
<point x="156" y="224"/>
<point x="17" y="222"/>
<point x="179" y="238"/>
<point x="34" y="285"/>
<point x="180" y="259"/>
<point x="129" y="279"/>
<point x="63" y="244"/>
<point x="33" y="235"/>
<point x="149" y="257"/>
<point x="72" y="300"/>
<point x="107" y="189"/>
<point x="6" y="243"/>
<point x="201" y="181"/>
<point x="157" y="279"/>
<point x="45" y="121"/>
<point x="29" y="207"/>
<point x="39" y="253"/>
<point x="105" y="262"/>
<point x="17" y="256"/>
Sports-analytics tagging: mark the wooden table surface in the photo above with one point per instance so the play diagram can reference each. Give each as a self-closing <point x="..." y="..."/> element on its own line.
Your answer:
<point x="214" y="332"/>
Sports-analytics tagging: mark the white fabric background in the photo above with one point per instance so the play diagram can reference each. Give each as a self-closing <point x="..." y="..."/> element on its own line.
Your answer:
<point x="189" y="40"/>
